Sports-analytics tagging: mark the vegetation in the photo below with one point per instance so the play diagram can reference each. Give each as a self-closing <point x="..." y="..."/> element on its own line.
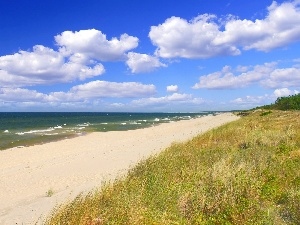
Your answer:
<point x="291" y="102"/>
<point x="50" y="192"/>
<point x="245" y="172"/>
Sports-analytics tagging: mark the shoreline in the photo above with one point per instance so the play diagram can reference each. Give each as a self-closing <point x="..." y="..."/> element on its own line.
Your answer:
<point x="68" y="167"/>
<point x="64" y="125"/>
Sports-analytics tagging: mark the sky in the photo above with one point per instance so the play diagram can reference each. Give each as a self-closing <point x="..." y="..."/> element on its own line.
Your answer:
<point x="147" y="56"/>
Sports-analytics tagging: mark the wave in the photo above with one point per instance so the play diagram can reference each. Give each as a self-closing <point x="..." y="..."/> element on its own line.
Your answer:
<point x="135" y="123"/>
<point x="83" y="124"/>
<point x="42" y="131"/>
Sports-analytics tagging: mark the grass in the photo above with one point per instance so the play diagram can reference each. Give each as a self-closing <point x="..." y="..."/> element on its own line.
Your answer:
<point x="50" y="193"/>
<point x="245" y="172"/>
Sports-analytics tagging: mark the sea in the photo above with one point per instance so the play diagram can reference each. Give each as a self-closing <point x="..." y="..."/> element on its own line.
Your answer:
<point x="19" y="129"/>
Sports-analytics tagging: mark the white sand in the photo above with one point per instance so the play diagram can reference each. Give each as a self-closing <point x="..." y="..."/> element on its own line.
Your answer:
<point x="80" y="164"/>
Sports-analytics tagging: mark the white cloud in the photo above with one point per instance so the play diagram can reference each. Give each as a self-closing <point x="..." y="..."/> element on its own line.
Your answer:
<point x="80" y="93"/>
<point x="94" y="44"/>
<point x="242" y="69"/>
<point x="284" y="92"/>
<point x="226" y="79"/>
<point x="286" y="77"/>
<point x="254" y="101"/>
<point x="177" y="37"/>
<point x="279" y="28"/>
<point x="172" y="88"/>
<point x="203" y="37"/>
<point x="267" y="75"/>
<point x="142" y="63"/>
<point x="21" y="95"/>
<point x="43" y="66"/>
<point x="250" y="102"/>
<point x="117" y="105"/>
<point x="169" y="99"/>
<point x="77" y="59"/>
<point x="94" y="96"/>
<point x="41" y="60"/>
<point x="96" y="89"/>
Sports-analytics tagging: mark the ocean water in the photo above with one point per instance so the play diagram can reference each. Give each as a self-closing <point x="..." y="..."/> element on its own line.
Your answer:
<point x="18" y="129"/>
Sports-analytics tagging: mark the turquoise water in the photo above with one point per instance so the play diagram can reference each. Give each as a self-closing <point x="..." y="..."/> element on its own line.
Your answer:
<point x="22" y="129"/>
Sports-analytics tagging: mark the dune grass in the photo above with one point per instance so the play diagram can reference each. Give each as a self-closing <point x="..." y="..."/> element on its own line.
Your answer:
<point x="245" y="172"/>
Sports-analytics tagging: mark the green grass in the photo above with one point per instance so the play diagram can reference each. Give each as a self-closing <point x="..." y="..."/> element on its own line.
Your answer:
<point x="49" y="193"/>
<point x="245" y="172"/>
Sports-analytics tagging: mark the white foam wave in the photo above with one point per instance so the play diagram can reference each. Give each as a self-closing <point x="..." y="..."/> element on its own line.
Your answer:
<point x="36" y="131"/>
<point x="84" y="124"/>
<point x="185" y="117"/>
<point x="134" y="123"/>
<point x="51" y="134"/>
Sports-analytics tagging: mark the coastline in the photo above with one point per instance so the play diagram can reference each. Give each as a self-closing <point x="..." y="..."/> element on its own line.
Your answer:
<point x="71" y="166"/>
<point x="21" y="129"/>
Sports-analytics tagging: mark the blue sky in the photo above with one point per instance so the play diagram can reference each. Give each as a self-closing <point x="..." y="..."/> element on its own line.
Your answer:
<point x="147" y="56"/>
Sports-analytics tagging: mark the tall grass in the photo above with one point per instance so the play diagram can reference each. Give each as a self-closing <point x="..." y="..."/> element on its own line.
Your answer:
<point x="245" y="172"/>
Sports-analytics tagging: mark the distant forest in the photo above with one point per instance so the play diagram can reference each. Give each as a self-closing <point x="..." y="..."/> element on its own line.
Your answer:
<point x="291" y="102"/>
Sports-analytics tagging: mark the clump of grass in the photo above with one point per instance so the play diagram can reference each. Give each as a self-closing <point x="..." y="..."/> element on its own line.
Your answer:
<point x="245" y="172"/>
<point x="50" y="192"/>
<point x="266" y="113"/>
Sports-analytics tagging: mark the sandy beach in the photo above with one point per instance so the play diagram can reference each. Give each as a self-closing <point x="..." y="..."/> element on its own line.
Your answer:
<point x="65" y="168"/>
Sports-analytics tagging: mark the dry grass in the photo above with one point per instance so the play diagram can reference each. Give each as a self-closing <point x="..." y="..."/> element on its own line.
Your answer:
<point x="245" y="172"/>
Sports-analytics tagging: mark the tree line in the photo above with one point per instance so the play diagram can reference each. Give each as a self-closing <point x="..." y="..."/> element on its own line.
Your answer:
<point x="291" y="102"/>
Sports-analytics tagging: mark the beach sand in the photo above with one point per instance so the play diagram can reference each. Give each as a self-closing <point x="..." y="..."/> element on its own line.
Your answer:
<point x="34" y="179"/>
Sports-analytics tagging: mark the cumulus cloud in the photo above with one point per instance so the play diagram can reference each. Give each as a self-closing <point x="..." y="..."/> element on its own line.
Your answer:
<point x="226" y="79"/>
<point x="21" y="95"/>
<point x="252" y="100"/>
<point x="279" y="28"/>
<point x="94" y="44"/>
<point x="98" y="88"/>
<point x="92" y="95"/>
<point x="43" y="66"/>
<point x="80" y="93"/>
<point x="142" y="63"/>
<point x="282" y="92"/>
<point x="285" y="77"/>
<point x="41" y="60"/>
<point x="172" y="88"/>
<point x="177" y="37"/>
<point x="169" y="99"/>
<point x="205" y="36"/>
<point x="78" y="58"/>
<point x="267" y="75"/>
